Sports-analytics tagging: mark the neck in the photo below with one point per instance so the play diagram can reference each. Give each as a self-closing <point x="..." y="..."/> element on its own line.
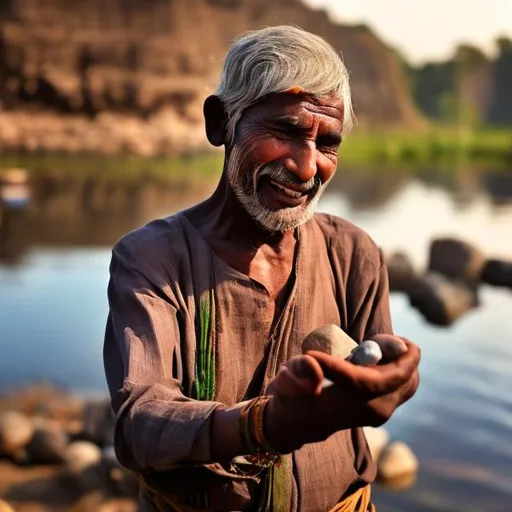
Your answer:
<point x="223" y="220"/>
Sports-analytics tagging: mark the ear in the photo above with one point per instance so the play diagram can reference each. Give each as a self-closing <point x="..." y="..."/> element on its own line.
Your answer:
<point x="215" y="120"/>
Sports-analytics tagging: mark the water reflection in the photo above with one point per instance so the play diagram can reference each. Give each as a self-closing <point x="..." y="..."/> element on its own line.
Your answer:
<point x="54" y="255"/>
<point x="93" y="211"/>
<point x="87" y="212"/>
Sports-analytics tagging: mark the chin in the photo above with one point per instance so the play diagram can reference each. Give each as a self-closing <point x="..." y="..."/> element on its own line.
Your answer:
<point x="282" y="220"/>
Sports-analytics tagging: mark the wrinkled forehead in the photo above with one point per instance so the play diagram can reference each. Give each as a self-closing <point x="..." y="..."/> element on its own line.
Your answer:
<point x="300" y="106"/>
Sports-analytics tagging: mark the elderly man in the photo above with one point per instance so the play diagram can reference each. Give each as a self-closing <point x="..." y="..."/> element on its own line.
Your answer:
<point x="216" y="408"/>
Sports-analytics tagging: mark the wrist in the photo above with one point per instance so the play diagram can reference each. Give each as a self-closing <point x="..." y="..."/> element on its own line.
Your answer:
<point x="277" y="431"/>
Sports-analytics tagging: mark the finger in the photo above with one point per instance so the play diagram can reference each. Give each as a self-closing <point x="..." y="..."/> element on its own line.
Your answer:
<point x="392" y="347"/>
<point x="383" y="407"/>
<point x="306" y="367"/>
<point x="374" y="380"/>
<point x="286" y="385"/>
<point x="300" y="376"/>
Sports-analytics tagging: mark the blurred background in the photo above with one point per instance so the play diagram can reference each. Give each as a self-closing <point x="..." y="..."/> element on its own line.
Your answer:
<point x="101" y="130"/>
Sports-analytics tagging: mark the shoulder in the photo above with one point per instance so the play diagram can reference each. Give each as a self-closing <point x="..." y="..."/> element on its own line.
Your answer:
<point x="154" y="246"/>
<point x="346" y="240"/>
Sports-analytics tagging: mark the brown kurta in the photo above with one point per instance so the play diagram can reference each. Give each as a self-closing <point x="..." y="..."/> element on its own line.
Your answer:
<point x="157" y="275"/>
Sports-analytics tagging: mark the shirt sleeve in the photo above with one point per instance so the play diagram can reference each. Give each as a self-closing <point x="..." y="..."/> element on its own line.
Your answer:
<point x="370" y="299"/>
<point x="157" y="427"/>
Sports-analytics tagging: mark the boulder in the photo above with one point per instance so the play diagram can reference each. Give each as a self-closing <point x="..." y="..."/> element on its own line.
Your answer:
<point x="456" y="259"/>
<point x="377" y="438"/>
<point x="441" y="300"/>
<point x="98" y="422"/>
<point x="401" y="273"/>
<point x="48" y="444"/>
<point x="16" y="431"/>
<point x="80" y="455"/>
<point x="396" y="460"/>
<point x="497" y="273"/>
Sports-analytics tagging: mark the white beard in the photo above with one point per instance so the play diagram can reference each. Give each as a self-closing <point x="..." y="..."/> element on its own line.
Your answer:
<point x="247" y="194"/>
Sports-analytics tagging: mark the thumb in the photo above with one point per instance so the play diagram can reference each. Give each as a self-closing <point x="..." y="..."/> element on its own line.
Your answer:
<point x="391" y="346"/>
<point x="301" y="375"/>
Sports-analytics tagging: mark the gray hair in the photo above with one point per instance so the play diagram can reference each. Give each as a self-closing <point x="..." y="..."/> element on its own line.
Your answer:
<point x="275" y="59"/>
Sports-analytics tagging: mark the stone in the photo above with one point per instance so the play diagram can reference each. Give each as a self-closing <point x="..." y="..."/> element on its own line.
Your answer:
<point x="400" y="483"/>
<point x="456" y="259"/>
<point x="16" y="431"/>
<point x="48" y="444"/>
<point x="401" y="273"/>
<point x="396" y="460"/>
<point x="366" y="353"/>
<point x="98" y="422"/>
<point x="80" y="455"/>
<point x="497" y="273"/>
<point x="441" y="300"/>
<point x="377" y="438"/>
<point x="329" y="339"/>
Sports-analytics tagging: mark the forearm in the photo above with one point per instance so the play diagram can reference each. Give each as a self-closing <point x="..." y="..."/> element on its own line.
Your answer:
<point x="157" y="428"/>
<point x="226" y="442"/>
<point x="158" y="431"/>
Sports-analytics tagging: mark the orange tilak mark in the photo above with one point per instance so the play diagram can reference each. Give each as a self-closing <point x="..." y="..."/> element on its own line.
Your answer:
<point x="296" y="89"/>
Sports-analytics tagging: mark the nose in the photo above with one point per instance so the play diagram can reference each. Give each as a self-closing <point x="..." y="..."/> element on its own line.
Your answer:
<point x="303" y="162"/>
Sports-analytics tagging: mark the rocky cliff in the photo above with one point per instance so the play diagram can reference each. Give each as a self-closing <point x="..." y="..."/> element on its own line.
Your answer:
<point x="131" y="75"/>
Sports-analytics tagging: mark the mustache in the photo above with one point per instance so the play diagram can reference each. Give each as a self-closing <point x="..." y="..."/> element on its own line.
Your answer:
<point x="277" y="171"/>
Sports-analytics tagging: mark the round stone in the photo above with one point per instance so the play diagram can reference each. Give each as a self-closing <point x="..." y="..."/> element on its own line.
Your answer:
<point x="367" y="353"/>
<point x="80" y="455"/>
<point x="16" y="431"/>
<point x="396" y="460"/>
<point x="377" y="439"/>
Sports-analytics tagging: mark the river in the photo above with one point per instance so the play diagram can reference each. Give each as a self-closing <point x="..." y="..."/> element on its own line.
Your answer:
<point x="55" y="252"/>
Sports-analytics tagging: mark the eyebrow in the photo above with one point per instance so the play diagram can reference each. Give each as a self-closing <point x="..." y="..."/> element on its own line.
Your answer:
<point x="291" y="121"/>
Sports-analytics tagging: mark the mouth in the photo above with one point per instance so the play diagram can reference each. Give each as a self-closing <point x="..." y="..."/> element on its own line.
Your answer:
<point x="276" y="195"/>
<point x="289" y="190"/>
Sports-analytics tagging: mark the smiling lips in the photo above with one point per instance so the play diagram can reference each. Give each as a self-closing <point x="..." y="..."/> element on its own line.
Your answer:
<point x="289" y="191"/>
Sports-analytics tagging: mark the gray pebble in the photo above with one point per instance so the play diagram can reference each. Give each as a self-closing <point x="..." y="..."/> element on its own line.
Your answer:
<point x="367" y="353"/>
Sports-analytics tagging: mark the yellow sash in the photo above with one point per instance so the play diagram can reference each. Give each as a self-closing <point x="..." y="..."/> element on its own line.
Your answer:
<point x="359" y="501"/>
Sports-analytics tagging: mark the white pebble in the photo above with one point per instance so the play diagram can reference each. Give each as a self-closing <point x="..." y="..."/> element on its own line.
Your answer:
<point x="81" y="455"/>
<point x="367" y="353"/>
<point x="16" y="431"/>
<point x="377" y="439"/>
<point x="397" y="460"/>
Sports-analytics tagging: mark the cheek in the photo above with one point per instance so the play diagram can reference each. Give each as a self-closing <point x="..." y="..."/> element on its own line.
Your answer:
<point x="267" y="149"/>
<point x="326" y="167"/>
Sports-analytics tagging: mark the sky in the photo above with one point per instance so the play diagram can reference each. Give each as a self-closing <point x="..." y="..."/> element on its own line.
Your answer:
<point x="427" y="30"/>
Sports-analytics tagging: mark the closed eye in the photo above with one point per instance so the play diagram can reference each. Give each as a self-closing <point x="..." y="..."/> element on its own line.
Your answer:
<point x="331" y="141"/>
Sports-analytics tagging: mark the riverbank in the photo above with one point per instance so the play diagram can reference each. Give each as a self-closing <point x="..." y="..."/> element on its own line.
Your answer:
<point x="57" y="454"/>
<point x="399" y="150"/>
<point x="435" y="145"/>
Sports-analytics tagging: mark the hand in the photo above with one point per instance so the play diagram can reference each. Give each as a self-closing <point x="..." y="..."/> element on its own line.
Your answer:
<point x="302" y="412"/>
